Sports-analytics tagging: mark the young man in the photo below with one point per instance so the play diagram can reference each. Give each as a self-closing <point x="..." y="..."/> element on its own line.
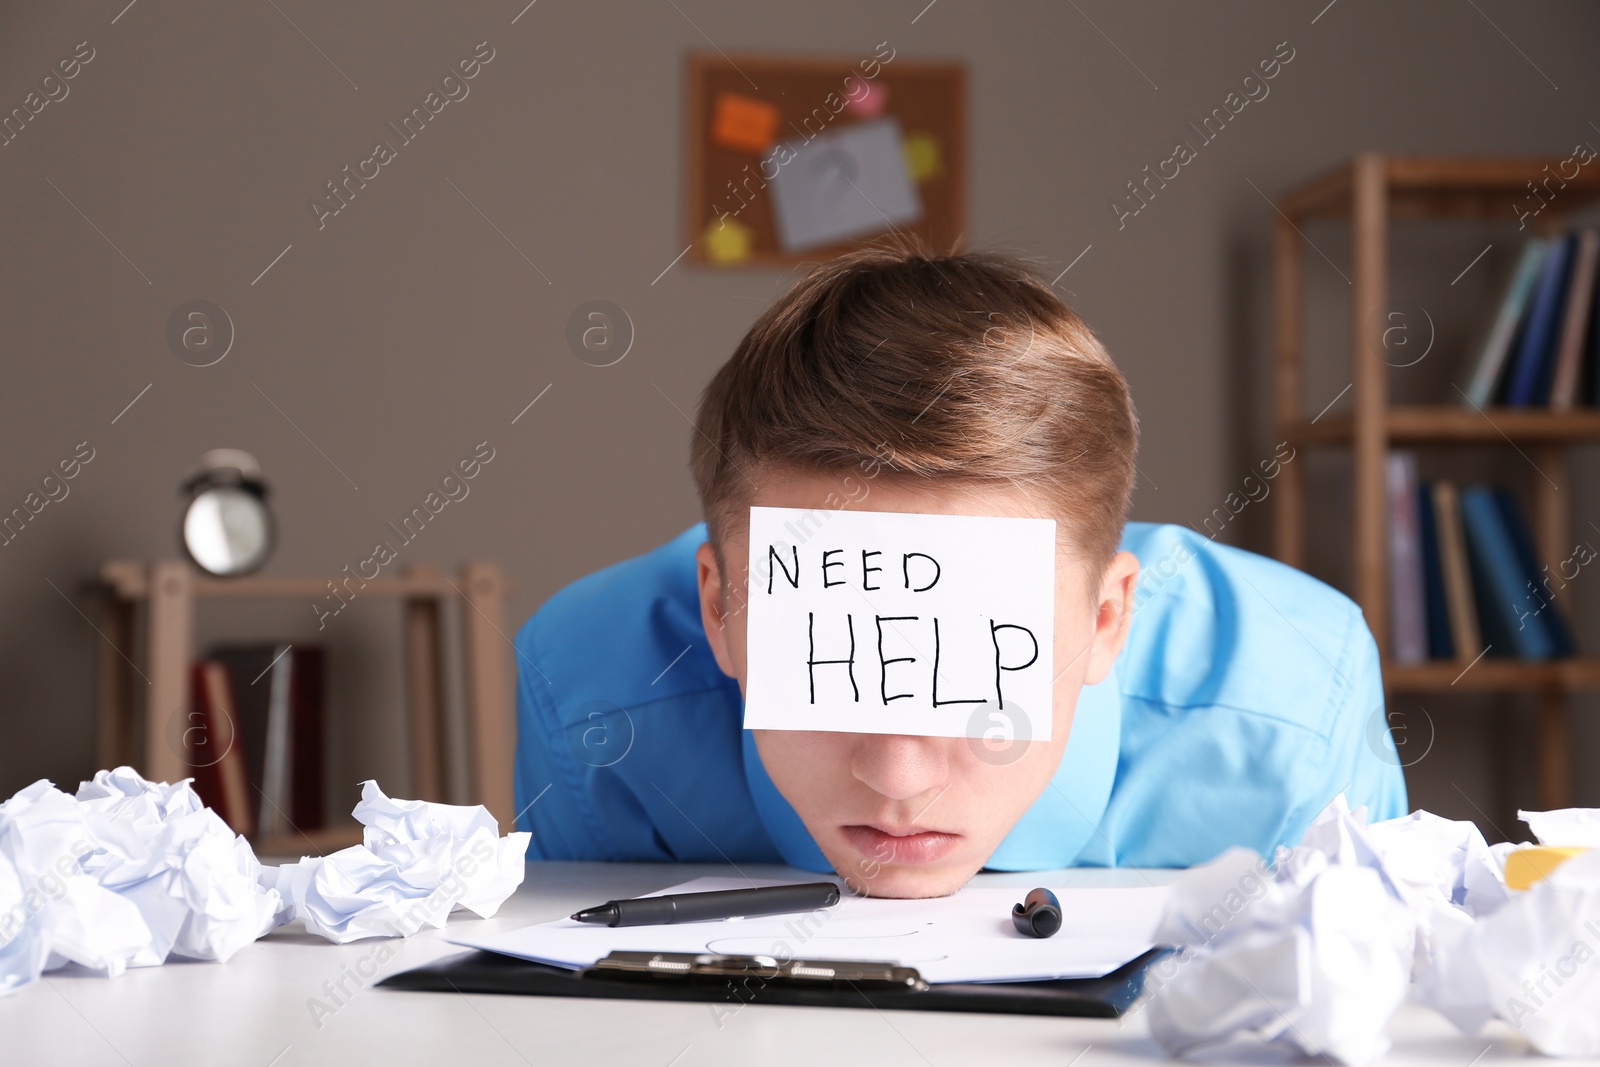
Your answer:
<point x="1222" y="699"/>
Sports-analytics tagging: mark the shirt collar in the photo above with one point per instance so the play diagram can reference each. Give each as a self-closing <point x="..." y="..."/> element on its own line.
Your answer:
<point x="1051" y="833"/>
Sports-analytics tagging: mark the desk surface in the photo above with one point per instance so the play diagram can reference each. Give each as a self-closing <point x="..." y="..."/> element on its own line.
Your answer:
<point x="258" y="1009"/>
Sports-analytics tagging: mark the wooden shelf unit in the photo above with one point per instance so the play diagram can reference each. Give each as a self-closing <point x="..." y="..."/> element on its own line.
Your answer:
<point x="1371" y="191"/>
<point x="133" y="720"/>
<point x="1418" y="425"/>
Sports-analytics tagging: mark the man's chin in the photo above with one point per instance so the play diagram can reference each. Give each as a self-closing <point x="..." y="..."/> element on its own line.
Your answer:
<point x="901" y="881"/>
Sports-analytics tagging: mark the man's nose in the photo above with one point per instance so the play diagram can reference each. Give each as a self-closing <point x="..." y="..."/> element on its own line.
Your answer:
<point x="901" y="767"/>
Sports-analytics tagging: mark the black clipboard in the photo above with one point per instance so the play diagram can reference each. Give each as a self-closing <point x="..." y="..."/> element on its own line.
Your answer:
<point x="477" y="971"/>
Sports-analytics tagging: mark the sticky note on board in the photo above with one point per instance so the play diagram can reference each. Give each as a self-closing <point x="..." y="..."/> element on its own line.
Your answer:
<point x="743" y="123"/>
<point x="922" y="156"/>
<point x="870" y="102"/>
<point x="842" y="184"/>
<point x="727" y="241"/>
<point x="899" y="623"/>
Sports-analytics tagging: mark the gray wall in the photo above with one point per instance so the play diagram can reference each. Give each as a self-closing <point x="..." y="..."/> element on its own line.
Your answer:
<point x="408" y="329"/>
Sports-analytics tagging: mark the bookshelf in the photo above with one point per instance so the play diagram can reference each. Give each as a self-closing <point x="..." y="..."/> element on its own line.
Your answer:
<point x="132" y="722"/>
<point x="1369" y="193"/>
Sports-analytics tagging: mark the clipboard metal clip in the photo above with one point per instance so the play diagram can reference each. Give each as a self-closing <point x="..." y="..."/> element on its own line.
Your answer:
<point x="701" y="966"/>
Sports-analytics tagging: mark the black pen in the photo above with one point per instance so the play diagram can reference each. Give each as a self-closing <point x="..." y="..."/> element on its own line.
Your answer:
<point x="720" y="904"/>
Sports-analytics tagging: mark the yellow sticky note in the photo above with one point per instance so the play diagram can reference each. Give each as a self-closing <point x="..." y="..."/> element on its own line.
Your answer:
<point x="727" y="241"/>
<point x="743" y="123"/>
<point x="921" y="152"/>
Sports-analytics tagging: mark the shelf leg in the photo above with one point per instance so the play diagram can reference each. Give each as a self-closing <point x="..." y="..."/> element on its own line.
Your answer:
<point x="425" y="688"/>
<point x="488" y="658"/>
<point x="1370" y="392"/>
<point x="1555" y="750"/>
<point x="115" y="722"/>
<point x="1290" y="516"/>
<point x="171" y="648"/>
<point x="1552" y="522"/>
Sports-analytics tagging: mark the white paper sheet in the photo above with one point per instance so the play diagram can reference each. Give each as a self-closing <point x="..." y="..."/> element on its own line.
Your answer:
<point x="850" y="613"/>
<point x="1565" y="828"/>
<point x="967" y="937"/>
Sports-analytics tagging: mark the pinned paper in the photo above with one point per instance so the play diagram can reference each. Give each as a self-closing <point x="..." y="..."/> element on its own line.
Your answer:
<point x="922" y="157"/>
<point x="843" y="184"/>
<point x="743" y="123"/>
<point x="894" y="623"/>
<point x="727" y="241"/>
<point x="870" y="101"/>
<point x="417" y="864"/>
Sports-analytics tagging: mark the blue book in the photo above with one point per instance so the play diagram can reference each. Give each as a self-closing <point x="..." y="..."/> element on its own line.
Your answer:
<point x="1537" y="596"/>
<point x="1592" y="373"/>
<point x="1489" y="372"/>
<point x="1512" y="624"/>
<point x="1534" y="362"/>
<point x="1439" y="643"/>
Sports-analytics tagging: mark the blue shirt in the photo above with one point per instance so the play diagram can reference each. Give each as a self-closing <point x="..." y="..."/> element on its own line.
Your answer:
<point x="1247" y="696"/>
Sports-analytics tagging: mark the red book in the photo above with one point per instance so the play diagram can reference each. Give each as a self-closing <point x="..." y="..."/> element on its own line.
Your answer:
<point x="213" y="746"/>
<point x="305" y="738"/>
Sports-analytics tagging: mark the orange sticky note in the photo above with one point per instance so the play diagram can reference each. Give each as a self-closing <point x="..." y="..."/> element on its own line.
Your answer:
<point x="743" y="123"/>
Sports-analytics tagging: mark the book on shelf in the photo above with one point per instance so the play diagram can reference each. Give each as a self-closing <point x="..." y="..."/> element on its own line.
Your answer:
<point x="1509" y="627"/>
<point x="213" y="749"/>
<point x="1575" y="323"/>
<point x="1437" y="613"/>
<point x="1543" y="347"/>
<point x="1497" y="346"/>
<point x="1535" y="584"/>
<point x="1464" y="579"/>
<point x="270" y="699"/>
<point x="1592" y="363"/>
<point x="1408" y="604"/>
<point x="1458" y="596"/>
<point x="1525" y="381"/>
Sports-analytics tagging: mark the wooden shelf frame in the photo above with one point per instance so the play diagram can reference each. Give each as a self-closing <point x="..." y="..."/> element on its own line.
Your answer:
<point x="1492" y="675"/>
<point x="1371" y="192"/>
<point x="1429" y="425"/>
<point x="133" y="721"/>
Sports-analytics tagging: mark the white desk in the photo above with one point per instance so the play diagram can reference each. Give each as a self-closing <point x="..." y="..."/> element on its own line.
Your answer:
<point x="253" y="1011"/>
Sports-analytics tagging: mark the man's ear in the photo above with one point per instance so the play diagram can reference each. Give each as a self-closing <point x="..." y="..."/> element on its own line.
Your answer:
<point x="713" y="612"/>
<point x="1113" y="612"/>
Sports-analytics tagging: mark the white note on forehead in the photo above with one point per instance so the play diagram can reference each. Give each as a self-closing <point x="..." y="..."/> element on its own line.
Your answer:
<point x="891" y="623"/>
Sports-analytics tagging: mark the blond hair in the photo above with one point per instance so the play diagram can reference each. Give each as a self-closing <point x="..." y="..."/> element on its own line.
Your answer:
<point x="961" y="369"/>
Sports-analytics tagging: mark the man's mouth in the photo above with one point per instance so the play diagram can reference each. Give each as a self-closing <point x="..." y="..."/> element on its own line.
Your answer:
<point x="900" y="845"/>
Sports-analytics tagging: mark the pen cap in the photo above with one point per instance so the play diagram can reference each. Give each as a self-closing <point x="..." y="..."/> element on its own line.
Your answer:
<point x="1039" y="914"/>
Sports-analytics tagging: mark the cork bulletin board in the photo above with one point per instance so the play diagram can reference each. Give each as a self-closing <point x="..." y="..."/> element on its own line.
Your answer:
<point x="757" y="189"/>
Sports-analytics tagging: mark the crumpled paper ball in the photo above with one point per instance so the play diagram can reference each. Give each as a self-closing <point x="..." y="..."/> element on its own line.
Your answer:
<point x="197" y="883"/>
<point x="419" y="862"/>
<point x="1313" y="952"/>
<point x="123" y="875"/>
<point x="1533" y="961"/>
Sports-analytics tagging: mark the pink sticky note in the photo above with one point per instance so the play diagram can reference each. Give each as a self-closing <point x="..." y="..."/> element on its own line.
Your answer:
<point x="871" y="102"/>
